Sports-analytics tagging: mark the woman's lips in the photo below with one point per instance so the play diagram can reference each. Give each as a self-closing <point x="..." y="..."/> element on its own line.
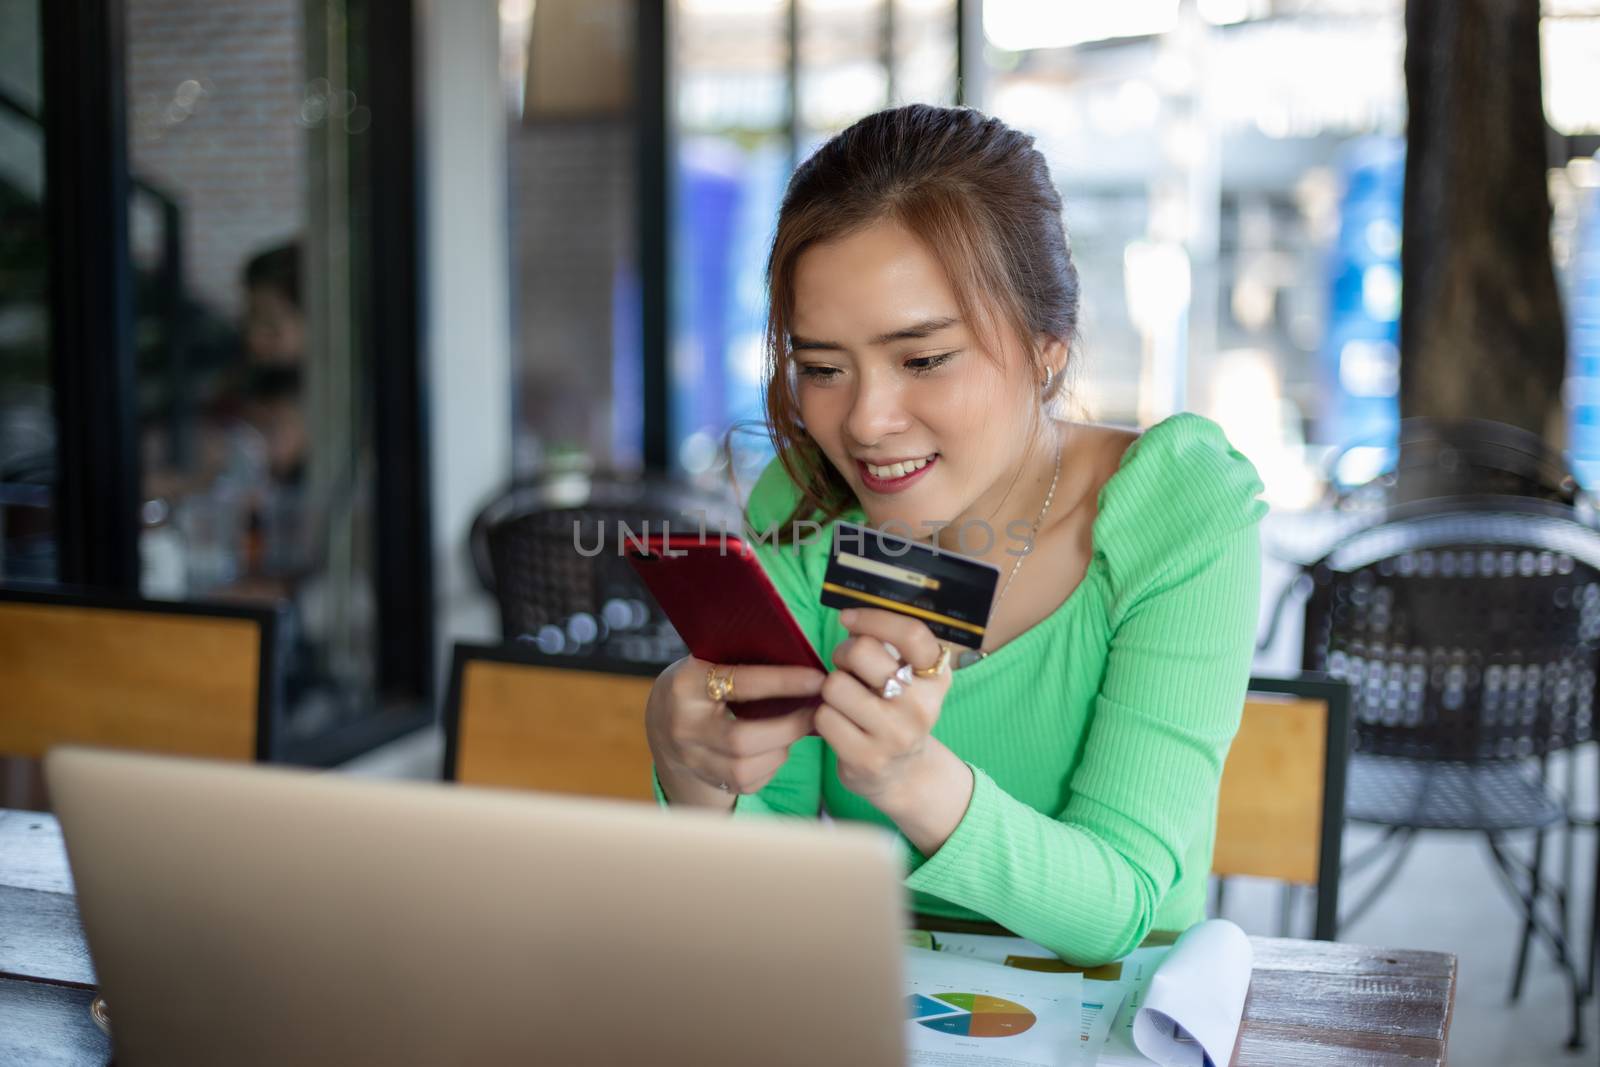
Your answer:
<point x="894" y="485"/>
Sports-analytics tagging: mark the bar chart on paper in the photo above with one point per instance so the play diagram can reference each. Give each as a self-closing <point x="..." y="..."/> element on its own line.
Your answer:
<point x="970" y="1014"/>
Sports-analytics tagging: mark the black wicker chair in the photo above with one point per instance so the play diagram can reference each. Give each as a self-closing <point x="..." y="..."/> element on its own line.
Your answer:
<point x="550" y="554"/>
<point x="1468" y="630"/>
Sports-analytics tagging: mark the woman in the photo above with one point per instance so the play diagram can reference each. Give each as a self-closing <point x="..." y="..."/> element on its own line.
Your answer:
<point x="923" y="315"/>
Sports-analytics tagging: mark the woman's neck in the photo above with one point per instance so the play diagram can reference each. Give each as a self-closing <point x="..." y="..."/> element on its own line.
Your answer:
<point x="1015" y="502"/>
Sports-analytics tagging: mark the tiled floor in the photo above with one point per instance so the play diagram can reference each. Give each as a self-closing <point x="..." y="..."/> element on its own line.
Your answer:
<point x="1446" y="898"/>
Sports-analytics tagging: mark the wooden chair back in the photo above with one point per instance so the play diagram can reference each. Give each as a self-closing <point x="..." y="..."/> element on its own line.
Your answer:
<point x="180" y="679"/>
<point x="1280" y="812"/>
<point x="520" y="719"/>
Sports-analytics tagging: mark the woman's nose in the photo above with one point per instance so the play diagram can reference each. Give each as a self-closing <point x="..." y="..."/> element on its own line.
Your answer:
<point x="876" y="411"/>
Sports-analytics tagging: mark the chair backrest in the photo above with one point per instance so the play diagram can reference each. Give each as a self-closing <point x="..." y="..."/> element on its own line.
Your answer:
<point x="550" y="554"/>
<point x="180" y="679"/>
<point x="1467" y="628"/>
<point x="518" y="718"/>
<point x="1280" y="811"/>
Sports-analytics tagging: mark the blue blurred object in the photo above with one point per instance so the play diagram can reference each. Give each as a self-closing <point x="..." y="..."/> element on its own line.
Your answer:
<point x="709" y="189"/>
<point x="1583" y="345"/>
<point x="627" y="370"/>
<point x="727" y="203"/>
<point x="1360" y="358"/>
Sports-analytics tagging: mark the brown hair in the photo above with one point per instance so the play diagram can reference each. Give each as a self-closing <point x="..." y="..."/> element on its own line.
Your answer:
<point x="977" y="193"/>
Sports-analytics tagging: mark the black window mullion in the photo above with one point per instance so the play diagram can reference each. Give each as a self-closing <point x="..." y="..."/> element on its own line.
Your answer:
<point x="653" y="116"/>
<point x="969" y="50"/>
<point x="393" y="299"/>
<point x="91" y="297"/>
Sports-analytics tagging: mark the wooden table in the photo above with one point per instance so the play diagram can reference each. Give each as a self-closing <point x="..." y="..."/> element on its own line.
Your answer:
<point x="1310" y="1002"/>
<point x="46" y="979"/>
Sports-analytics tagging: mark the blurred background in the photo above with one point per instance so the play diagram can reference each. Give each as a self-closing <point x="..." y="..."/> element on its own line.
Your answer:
<point x="356" y="284"/>
<point x="300" y="299"/>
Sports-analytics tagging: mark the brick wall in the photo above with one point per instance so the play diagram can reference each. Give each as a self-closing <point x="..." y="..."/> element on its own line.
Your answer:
<point x="231" y="149"/>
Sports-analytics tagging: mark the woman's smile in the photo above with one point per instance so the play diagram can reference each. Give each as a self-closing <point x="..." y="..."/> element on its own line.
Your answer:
<point x="897" y="476"/>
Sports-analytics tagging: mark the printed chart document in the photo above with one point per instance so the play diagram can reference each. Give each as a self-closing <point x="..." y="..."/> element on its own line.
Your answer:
<point x="963" y="1012"/>
<point x="1165" y="1005"/>
<point x="1102" y="994"/>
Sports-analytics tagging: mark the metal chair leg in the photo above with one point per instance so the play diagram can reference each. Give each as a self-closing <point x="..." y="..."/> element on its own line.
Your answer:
<point x="1365" y="857"/>
<point x="1503" y="865"/>
<point x="1594" y="918"/>
<point x="1408" y="837"/>
<point x="1521" y="969"/>
<point x="1568" y="843"/>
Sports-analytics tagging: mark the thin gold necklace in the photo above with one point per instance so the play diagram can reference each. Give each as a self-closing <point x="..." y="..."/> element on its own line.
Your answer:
<point x="971" y="655"/>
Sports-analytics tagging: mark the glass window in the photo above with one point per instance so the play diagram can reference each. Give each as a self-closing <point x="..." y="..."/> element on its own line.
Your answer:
<point x="924" y="69"/>
<point x="740" y="127"/>
<point x="570" y="145"/>
<point x="733" y="158"/>
<point x="1232" y="190"/>
<point x="245" y="127"/>
<point x="842" y="70"/>
<point x="747" y="100"/>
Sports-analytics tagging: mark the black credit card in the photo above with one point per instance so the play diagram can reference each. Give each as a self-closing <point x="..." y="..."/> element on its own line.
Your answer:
<point x="950" y="592"/>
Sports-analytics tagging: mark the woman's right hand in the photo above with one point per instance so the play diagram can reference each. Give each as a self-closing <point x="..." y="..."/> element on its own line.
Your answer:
<point x="704" y="756"/>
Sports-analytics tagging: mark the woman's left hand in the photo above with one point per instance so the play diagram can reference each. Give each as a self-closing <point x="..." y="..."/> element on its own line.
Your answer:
<point x="882" y="744"/>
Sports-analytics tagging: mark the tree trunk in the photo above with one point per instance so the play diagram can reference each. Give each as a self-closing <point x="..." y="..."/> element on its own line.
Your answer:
<point x="1481" y="332"/>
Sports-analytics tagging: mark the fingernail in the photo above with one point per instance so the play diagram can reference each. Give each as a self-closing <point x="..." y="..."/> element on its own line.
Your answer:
<point x="847" y="616"/>
<point x="894" y="653"/>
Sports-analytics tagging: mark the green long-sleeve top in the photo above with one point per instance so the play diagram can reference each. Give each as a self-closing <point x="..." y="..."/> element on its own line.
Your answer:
<point x="1097" y="737"/>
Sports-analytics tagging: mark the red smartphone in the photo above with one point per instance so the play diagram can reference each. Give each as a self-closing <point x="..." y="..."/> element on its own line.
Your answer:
<point x="724" y="607"/>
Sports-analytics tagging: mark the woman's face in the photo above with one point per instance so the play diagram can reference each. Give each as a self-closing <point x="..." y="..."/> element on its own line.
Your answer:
<point x="887" y="374"/>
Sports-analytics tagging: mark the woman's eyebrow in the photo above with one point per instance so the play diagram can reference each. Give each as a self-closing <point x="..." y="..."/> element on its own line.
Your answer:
<point x="926" y="328"/>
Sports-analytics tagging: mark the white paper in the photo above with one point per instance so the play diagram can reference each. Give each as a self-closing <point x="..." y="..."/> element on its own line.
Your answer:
<point x="1195" y="1000"/>
<point x="965" y="1012"/>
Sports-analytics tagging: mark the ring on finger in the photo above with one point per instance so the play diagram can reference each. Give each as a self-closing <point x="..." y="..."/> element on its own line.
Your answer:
<point x="892" y="686"/>
<point x="939" y="666"/>
<point x="719" y="687"/>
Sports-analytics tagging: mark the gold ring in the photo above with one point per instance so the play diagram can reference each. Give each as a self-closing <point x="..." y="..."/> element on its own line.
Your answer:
<point x="719" y="687"/>
<point x="940" y="665"/>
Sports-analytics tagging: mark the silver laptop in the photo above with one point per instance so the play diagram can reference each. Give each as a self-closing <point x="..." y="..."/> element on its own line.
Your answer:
<point x="250" y="915"/>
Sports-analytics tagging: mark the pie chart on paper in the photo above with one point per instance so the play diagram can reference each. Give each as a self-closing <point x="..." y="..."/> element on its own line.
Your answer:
<point x="969" y="1014"/>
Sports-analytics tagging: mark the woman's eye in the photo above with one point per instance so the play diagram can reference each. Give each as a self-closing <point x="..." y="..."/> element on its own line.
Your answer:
<point x="923" y="364"/>
<point x="821" y="372"/>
